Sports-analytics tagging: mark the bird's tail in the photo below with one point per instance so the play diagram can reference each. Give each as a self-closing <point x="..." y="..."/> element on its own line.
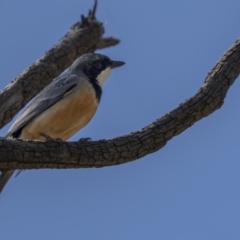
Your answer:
<point x="4" y="177"/>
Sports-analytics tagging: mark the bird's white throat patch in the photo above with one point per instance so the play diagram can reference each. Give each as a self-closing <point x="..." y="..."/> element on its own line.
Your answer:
<point x="102" y="77"/>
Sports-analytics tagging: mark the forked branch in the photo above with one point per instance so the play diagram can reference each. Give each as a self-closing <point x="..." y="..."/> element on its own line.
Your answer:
<point x="19" y="154"/>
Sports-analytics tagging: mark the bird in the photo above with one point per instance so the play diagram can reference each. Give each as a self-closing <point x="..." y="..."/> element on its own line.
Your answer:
<point x="64" y="106"/>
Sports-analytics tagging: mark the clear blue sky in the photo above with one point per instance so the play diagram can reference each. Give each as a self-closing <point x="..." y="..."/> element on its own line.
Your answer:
<point x="188" y="190"/>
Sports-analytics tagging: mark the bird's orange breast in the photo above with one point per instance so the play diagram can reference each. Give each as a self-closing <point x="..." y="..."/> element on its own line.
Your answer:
<point x="64" y="118"/>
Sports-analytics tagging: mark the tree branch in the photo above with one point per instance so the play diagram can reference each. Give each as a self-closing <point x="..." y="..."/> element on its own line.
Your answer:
<point x="19" y="154"/>
<point x="83" y="37"/>
<point x="107" y="42"/>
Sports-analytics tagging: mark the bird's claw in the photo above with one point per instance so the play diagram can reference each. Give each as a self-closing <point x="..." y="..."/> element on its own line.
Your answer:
<point x="88" y="139"/>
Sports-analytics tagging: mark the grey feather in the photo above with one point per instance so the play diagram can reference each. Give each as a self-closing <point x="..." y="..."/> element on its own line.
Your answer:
<point x="45" y="99"/>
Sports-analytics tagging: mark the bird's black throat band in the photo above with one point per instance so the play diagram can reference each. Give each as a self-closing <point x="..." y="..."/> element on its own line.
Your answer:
<point x="97" y="88"/>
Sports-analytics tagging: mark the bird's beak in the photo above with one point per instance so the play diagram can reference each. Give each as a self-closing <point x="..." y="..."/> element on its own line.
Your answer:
<point x="116" y="64"/>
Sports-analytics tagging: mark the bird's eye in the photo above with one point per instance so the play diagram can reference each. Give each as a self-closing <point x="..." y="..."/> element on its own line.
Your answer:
<point x="98" y="65"/>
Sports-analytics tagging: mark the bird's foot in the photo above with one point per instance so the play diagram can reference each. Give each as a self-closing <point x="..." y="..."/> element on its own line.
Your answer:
<point x="88" y="139"/>
<point x="48" y="138"/>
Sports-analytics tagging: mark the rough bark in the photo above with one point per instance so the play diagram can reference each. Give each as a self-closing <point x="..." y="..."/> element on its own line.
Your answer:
<point x="19" y="154"/>
<point x="83" y="37"/>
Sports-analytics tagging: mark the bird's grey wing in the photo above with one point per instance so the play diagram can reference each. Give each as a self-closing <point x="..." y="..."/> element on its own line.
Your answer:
<point x="46" y="98"/>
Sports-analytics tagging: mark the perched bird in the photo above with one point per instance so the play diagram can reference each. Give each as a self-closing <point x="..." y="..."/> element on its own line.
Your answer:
<point x="66" y="105"/>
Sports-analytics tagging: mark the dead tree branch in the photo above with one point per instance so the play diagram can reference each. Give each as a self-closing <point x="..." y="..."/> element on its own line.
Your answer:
<point x="19" y="154"/>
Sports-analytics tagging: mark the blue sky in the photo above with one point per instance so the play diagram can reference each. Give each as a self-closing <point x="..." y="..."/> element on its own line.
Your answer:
<point x="187" y="190"/>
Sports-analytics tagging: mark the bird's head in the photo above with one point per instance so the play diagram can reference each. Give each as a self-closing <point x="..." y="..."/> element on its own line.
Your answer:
<point x="95" y="66"/>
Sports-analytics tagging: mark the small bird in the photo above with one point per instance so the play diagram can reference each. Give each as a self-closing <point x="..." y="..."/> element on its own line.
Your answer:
<point x="66" y="105"/>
